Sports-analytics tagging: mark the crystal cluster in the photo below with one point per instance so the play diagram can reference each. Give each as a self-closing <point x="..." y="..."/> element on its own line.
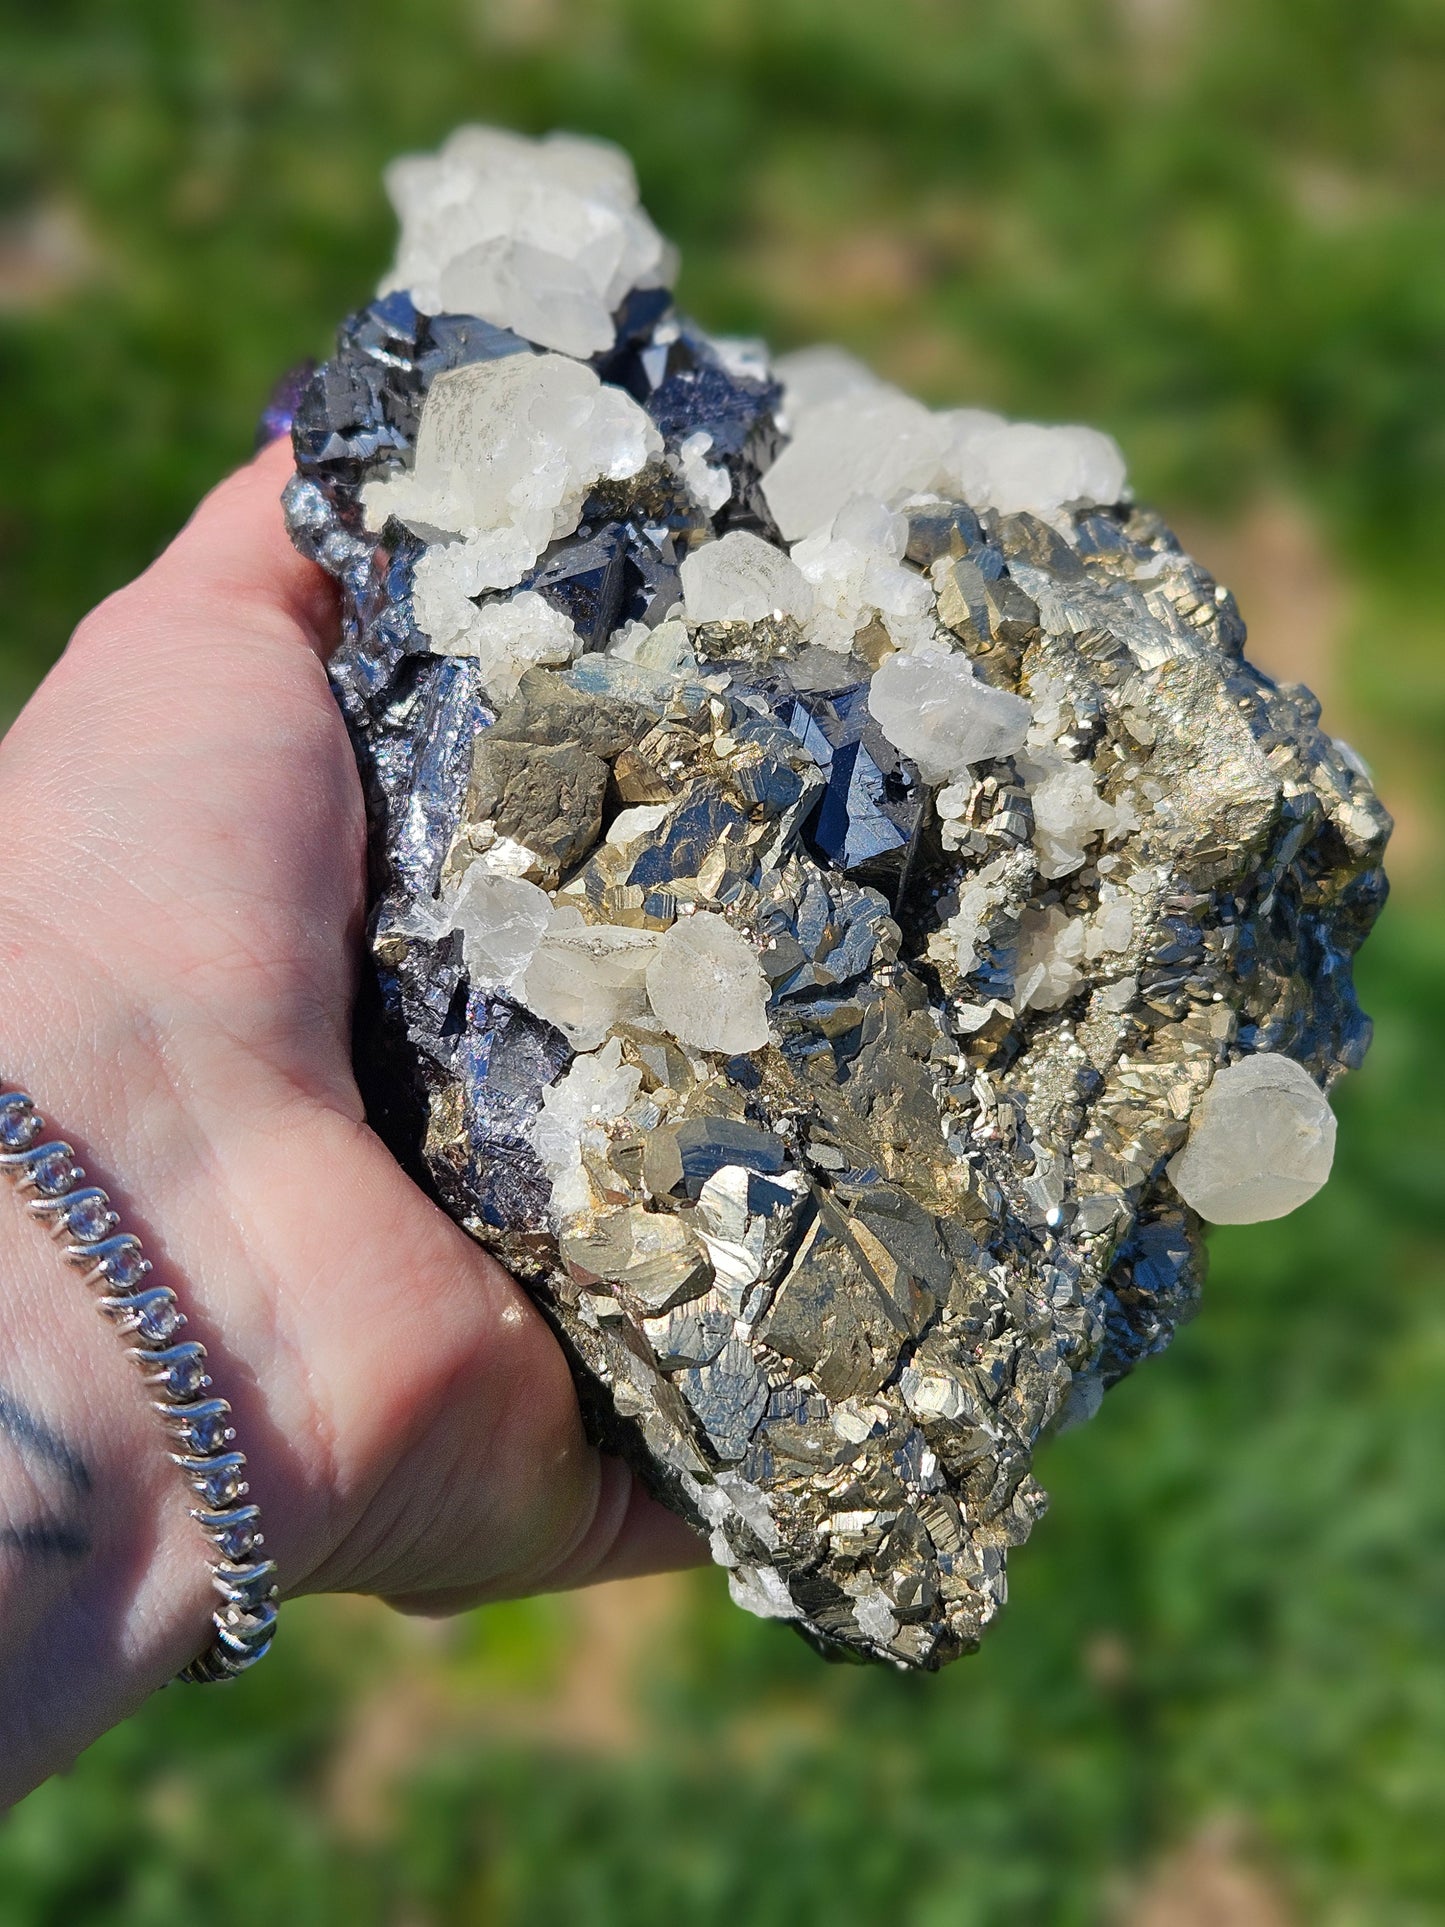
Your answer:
<point x="843" y="906"/>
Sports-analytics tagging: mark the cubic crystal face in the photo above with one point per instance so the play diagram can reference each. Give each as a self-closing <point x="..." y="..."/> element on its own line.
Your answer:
<point x="842" y="902"/>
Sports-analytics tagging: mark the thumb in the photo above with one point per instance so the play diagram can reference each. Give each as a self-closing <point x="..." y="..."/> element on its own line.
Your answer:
<point x="444" y="1445"/>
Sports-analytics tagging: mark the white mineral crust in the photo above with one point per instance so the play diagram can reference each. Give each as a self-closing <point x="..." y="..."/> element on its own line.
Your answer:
<point x="936" y="711"/>
<point x="506" y="453"/>
<point x="594" y="1092"/>
<point x="707" y="987"/>
<point x="542" y="237"/>
<point x="1261" y="1142"/>
<point x="742" y="578"/>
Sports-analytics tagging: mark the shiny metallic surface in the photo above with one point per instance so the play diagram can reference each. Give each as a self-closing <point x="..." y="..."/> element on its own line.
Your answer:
<point x="829" y="1295"/>
<point x="147" y="1315"/>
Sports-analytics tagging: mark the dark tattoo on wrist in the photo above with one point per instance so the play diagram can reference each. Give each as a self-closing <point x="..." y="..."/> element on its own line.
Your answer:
<point x="37" y="1442"/>
<point x="60" y="1542"/>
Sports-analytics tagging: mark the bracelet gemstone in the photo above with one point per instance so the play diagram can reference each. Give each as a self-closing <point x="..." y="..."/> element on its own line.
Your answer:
<point x="149" y="1319"/>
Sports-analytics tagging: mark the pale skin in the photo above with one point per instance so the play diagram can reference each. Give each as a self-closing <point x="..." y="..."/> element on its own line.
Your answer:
<point x="181" y="904"/>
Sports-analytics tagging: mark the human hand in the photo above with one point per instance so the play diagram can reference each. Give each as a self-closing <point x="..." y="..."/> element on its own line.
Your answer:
<point x="180" y="913"/>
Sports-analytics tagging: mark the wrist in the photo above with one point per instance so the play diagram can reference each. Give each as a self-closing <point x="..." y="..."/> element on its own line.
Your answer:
<point x="173" y="1121"/>
<point x="105" y="1578"/>
<point x="102" y="1595"/>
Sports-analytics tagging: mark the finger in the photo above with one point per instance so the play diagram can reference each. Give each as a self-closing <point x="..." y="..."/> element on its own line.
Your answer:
<point x="235" y="560"/>
<point x="632" y="1534"/>
<point x="424" y="1428"/>
<point x="453" y="1464"/>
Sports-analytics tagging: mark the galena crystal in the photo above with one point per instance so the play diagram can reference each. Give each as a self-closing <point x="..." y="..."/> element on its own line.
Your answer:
<point x="843" y="905"/>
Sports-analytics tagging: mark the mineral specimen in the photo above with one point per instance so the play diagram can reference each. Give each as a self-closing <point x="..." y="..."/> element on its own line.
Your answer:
<point x="842" y="902"/>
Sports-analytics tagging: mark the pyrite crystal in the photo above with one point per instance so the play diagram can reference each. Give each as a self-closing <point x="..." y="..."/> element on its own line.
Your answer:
<point x="842" y="901"/>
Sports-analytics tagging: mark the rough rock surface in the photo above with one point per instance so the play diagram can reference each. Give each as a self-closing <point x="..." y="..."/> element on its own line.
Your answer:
<point x="831" y="863"/>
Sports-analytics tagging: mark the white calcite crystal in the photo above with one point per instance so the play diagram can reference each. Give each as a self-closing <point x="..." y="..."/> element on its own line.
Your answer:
<point x="1261" y="1142"/>
<point x="855" y="570"/>
<point x="667" y="647"/>
<point x="979" y="900"/>
<point x="507" y="637"/>
<point x="1069" y="813"/>
<point x="1050" y="950"/>
<point x="574" y="1115"/>
<point x="933" y="708"/>
<point x="707" y="987"/>
<point x="822" y="373"/>
<point x="853" y="434"/>
<point x="1014" y="466"/>
<point x="1111" y="928"/>
<point x="876" y="442"/>
<point x="707" y="483"/>
<point x="1053" y="948"/>
<point x="505" y="455"/>
<point x="741" y="578"/>
<point x="587" y="980"/>
<point x="503" y="856"/>
<point x="960" y="429"/>
<point x="502" y="920"/>
<point x="638" y="821"/>
<point x="543" y="237"/>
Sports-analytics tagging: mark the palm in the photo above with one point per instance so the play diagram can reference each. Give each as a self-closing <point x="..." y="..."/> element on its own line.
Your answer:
<point x="203" y="869"/>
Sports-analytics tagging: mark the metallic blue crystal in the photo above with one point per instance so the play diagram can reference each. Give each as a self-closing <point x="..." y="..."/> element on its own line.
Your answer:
<point x="421" y="759"/>
<point x="279" y="414"/>
<point x="584" y="579"/>
<point x="869" y="814"/>
<point x="704" y="821"/>
<point x="507" y="1059"/>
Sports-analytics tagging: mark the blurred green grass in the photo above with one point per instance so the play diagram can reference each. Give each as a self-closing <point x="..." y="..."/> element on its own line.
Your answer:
<point x="1217" y="230"/>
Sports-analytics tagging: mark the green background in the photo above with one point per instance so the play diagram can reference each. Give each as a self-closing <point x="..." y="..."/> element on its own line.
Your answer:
<point x="1215" y="227"/>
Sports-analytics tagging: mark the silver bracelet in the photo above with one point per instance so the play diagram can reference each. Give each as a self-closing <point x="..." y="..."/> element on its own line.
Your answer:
<point x="113" y="1262"/>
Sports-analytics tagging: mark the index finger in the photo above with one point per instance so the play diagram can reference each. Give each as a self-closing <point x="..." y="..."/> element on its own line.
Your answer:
<point x="235" y="552"/>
